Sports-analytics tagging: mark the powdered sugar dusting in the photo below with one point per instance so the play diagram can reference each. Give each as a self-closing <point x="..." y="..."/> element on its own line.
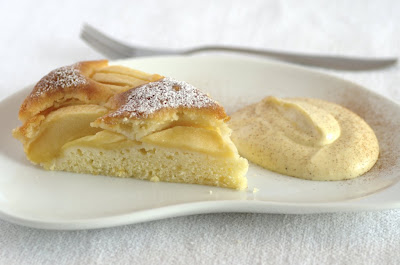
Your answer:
<point x="166" y="93"/>
<point x="60" y="78"/>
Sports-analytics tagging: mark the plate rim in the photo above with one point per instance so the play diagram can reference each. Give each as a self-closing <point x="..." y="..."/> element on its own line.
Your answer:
<point x="203" y="207"/>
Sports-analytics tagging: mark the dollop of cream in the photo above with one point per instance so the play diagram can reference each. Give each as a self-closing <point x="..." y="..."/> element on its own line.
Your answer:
<point x="305" y="138"/>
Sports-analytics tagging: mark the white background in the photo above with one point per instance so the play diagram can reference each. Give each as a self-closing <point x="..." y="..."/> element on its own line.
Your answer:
<point x="38" y="36"/>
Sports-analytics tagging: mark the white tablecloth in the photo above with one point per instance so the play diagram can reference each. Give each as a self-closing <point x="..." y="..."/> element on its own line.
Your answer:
<point x="37" y="36"/>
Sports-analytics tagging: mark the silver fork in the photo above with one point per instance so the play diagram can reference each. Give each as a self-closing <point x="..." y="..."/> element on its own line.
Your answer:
<point x="114" y="49"/>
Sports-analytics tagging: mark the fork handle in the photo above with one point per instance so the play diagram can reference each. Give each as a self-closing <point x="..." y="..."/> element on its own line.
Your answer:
<point x="326" y="61"/>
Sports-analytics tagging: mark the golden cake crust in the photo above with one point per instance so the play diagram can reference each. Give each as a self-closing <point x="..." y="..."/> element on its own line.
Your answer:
<point x="68" y="85"/>
<point x="159" y="99"/>
<point x="112" y="120"/>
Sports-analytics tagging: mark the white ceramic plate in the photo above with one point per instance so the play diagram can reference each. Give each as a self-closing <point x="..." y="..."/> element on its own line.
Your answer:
<point x="34" y="197"/>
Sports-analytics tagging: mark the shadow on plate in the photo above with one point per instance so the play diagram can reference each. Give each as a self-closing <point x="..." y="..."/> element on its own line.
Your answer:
<point x="9" y="108"/>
